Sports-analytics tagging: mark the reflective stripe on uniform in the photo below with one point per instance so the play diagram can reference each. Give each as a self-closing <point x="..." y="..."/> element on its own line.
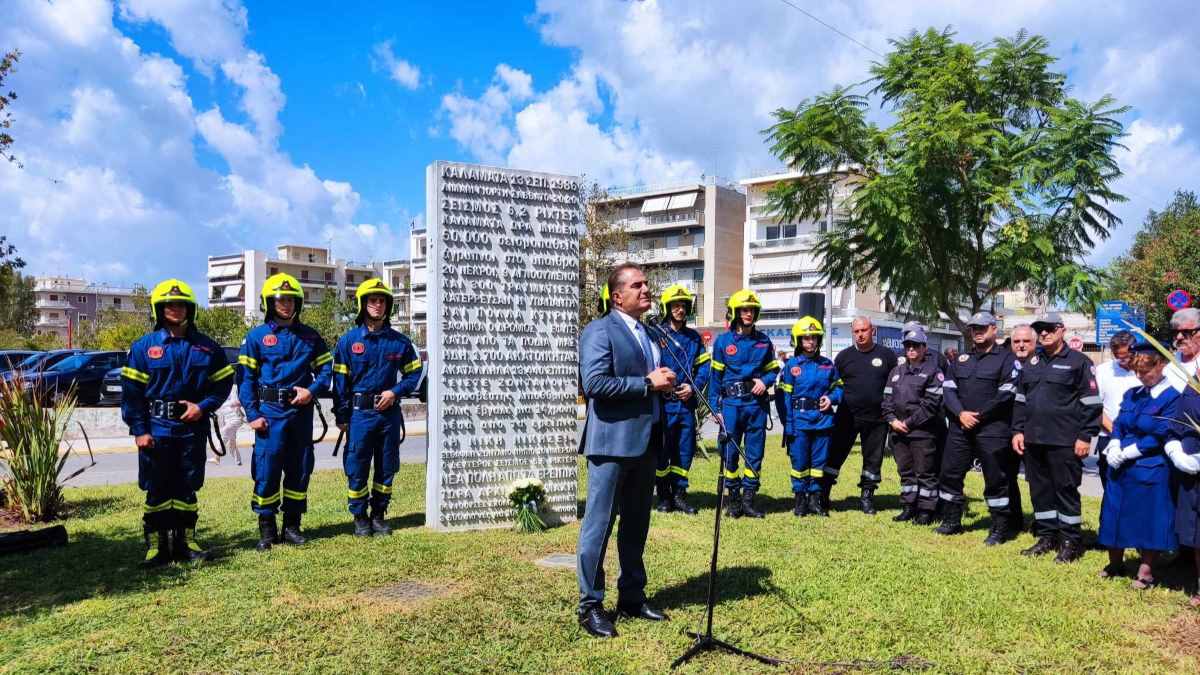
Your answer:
<point x="1020" y="398"/>
<point x="949" y="384"/>
<point x="817" y="473"/>
<point x="322" y="360"/>
<point x="786" y="387"/>
<point x="731" y="474"/>
<point x="358" y="494"/>
<point x="248" y="361"/>
<point x="927" y="493"/>
<point x="703" y="358"/>
<point x="679" y="471"/>
<point x="774" y="365"/>
<point x="998" y="503"/>
<point x="381" y="488"/>
<point x="135" y="375"/>
<point x="905" y="489"/>
<point x="412" y="366"/>
<point x="937" y="391"/>
<point x="749" y="473"/>
<point x="868" y="474"/>
<point x="180" y="505"/>
<point x="801" y="474"/>
<point x="1070" y="520"/>
<point x="1090" y="400"/>
<point x="157" y="507"/>
<point x="949" y="496"/>
<point x="341" y="369"/>
<point x="887" y="390"/>
<point x="662" y="473"/>
<point x="221" y="374"/>
<point x="293" y="494"/>
<point x="1045" y="515"/>
<point x="718" y="366"/>
<point x="263" y="501"/>
<point x="1009" y="386"/>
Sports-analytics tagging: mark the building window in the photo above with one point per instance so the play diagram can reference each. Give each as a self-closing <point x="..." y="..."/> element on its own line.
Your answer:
<point x="788" y="231"/>
<point x="304" y="274"/>
<point x="329" y="276"/>
<point x="81" y="299"/>
<point x="772" y="232"/>
<point x="274" y="270"/>
<point x="349" y="277"/>
<point x="53" y="297"/>
<point x="698" y="274"/>
<point x="116" y="302"/>
<point x="53" y="315"/>
<point x="83" y="317"/>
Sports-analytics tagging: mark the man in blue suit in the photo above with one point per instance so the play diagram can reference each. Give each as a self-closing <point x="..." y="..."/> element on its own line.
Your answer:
<point x="620" y="366"/>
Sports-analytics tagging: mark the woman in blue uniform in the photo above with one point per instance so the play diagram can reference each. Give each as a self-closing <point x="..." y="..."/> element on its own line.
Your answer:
<point x="1184" y="452"/>
<point x="1137" y="511"/>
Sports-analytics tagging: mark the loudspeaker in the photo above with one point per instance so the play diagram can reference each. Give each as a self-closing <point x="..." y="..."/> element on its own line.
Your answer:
<point x="812" y="304"/>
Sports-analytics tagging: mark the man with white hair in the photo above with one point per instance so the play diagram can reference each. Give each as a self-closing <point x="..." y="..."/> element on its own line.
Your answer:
<point x="1185" y="330"/>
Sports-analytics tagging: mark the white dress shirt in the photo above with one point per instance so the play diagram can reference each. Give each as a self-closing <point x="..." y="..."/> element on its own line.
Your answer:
<point x="638" y="331"/>
<point x="1179" y="378"/>
<point x="1113" y="381"/>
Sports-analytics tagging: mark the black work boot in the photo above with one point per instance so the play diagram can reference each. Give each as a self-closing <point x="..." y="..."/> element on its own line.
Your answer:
<point x="185" y="548"/>
<point x="906" y="513"/>
<point x="379" y="523"/>
<point x="681" y="502"/>
<point x="815" y="506"/>
<point x="158" y="547"/>
<point x="801" y="508"/>
<point x="951" y="519"/>
<point x="867" y="501"/>
<point x="362" y="525"/>
<point x="748" y="505"/>
<point x="733" y="504"/>
<point x="666" y="501"/>
<point x="1070" y="551"/>
<point x="1042" y="546"/>
<point x="923" y="517"/>
<point x="291" y="530"/>
<point x="826" y="490"/>
<point x="1001" y="530"/>
<point x="267" y="532"/>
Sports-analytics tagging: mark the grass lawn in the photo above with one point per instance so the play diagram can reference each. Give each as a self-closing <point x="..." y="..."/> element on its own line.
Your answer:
<point x="853" y="590"/>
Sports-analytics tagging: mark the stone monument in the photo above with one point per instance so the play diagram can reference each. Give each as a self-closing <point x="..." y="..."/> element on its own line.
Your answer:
<point x="502" y="341"/>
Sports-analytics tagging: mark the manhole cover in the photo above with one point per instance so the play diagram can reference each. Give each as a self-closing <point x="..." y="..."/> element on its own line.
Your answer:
<point x="557" y="561"/>
<point x="405" y="591"/>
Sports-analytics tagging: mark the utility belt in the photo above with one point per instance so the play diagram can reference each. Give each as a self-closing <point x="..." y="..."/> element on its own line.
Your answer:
<point x="281" y="396"/>
<point x="364" y="400"/>
<point x="737" y="389"/>
<point x="800" y="403"/>
<point x="167" y="410"/>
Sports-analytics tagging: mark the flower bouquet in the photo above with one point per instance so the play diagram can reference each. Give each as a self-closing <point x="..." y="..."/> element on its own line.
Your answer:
<point x="527" y="496"/>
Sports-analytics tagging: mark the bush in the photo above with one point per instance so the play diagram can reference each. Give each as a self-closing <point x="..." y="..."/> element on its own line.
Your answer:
<point x="30" y="464"/>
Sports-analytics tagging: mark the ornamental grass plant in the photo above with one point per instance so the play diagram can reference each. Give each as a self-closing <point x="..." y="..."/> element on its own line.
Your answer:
<point x="31" y="431"/>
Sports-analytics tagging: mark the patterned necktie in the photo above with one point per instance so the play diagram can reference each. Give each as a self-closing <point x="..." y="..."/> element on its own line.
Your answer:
<point x="647" y="350"/>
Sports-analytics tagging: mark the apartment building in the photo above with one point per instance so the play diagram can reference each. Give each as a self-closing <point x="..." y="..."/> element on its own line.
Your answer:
<point x="687" y="233"/>
<point x="236" y="280"/>
<point x="418" y="251"/>
<point x="63" y="302"/>
<point x="397" y="274"/>
<point x="780" y="264"/>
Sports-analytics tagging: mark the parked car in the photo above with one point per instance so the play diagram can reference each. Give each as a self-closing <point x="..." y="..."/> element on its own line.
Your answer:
<point x="110" y="392"/>
<point x="84" y="372"/>
<point x="34" y="364"/>
<point x="9" y="358"/>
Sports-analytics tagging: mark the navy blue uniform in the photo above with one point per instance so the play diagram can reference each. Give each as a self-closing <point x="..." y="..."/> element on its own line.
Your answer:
<point x="736" y="360"/>
<point x="680" y="445"/>
<point x="162" y="371"/>
<point x="1187" y="492"/>
<point x="274" y="359"/>
<point x="365" y="364"/>
<point x="913" y="395"/>
<point x="806" y="428"/>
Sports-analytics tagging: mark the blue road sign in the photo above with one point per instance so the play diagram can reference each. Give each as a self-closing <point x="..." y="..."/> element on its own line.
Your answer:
<point x="1115" y="315"/>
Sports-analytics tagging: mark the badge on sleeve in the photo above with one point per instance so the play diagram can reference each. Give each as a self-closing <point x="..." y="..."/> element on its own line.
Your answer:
<point x="155" y="352"/>
<point x="877" y="362"/>
<point x="1033" y="361"/>
<point x="795" y="371"/>
<point x="731" y="350"/>
<point x="270" y="340"/>
<point x="962" y="358"/>
<point x="358" y="348"/>
<point x="941" y="377"/>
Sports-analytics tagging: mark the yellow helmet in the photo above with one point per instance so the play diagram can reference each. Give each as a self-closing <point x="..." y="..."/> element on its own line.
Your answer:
<point x="806" y="326"/>
<point x="603" y="304"/>
<point x="171" y="290"/>
<point x="676" y="293"/>
<point x="281" y="286"/>
<point x="371" y="287"/>
<point x="742" y="298"/>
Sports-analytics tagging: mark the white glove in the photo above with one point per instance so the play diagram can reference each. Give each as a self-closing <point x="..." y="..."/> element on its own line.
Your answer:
<point x="1130" y="453"/>
<point x="1189" y="464"/>
<point x="1112" y="454"/>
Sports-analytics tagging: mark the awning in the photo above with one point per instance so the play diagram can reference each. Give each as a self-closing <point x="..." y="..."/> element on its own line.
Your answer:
<point x="655" y="204"/>
<point x="227" y="270"/>
<point x="684" y="201"/>
<point x="232" y="291"/>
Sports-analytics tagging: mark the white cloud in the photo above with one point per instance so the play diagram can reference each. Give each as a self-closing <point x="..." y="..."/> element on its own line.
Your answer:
<point x="112" y="187"/>
<point x="402" y="72"/>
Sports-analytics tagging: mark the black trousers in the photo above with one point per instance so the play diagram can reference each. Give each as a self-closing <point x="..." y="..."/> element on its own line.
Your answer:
<point x="916" y="461"/>
<point x="873" y="435"/>
<point x="1054" y="474"/>
<point x="1000" y="469"/>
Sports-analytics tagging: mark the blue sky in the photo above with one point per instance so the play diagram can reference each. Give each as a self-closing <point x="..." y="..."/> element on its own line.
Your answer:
<point x="157" y="132"/>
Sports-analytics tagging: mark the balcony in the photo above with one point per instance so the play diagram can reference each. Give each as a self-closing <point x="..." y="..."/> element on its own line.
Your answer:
<point x="803" y="241"/>
<point x="52" y="304"/>
<point x="651" y="256"/>
<point x="46" y="322"/>
<point x="657" y="222"/>
<point x="60" y="285"/>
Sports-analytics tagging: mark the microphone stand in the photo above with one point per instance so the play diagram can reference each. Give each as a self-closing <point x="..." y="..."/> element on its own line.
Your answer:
<point x="705" y="642"/>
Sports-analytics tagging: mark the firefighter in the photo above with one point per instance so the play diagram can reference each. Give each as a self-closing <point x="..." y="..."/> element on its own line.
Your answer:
<point x="686" y="356"/>
<point x="912" y="406"/>
<point x="979" y="390"/>
<point x="285" y="367"/>
<point x="743" y="367"/>
<point x="374" y="366"/>
<point x="1056" y="415"/>
<point x="175" y="378"/>
<point x="808" y="388"/>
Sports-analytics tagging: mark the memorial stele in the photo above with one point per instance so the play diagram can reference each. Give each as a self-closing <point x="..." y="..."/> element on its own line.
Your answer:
<point x="503" y="306"/>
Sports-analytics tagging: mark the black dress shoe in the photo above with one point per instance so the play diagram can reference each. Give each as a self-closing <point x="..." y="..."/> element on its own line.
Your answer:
<point x="362" y="525"/>
<point x="867" y="501"/>
<point x="642" y="611"/>
<point x="681" y="503"/>
<point x="596" y="623"/>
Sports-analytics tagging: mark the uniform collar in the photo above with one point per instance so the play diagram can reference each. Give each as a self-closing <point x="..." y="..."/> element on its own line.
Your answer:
<point x="1158" y="389"/>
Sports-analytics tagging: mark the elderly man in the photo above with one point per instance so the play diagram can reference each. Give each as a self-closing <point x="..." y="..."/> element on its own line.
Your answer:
<point x="864" y="367"/>
<point x="1023" y="342"/>
<point x="623" y="380"/>
<point x="1185" y="327"/>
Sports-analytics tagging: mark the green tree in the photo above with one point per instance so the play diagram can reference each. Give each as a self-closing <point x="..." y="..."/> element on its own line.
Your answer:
<point x="227" y="326"/>
<point x="330" y="317"/>
<point x="989" y="175"/>
<point x="603" y="245"/>
<point x="16" y="292"/>
<point x="115" y="329"/>
<point x="7" y="66"/>
<point x="1162" y="259"/>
